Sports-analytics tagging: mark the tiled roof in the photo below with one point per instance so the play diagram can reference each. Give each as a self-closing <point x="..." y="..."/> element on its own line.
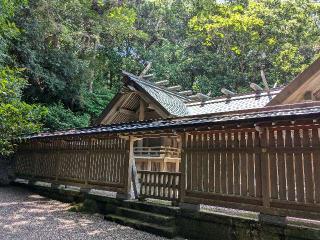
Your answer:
<point x="262" y="114"/>
<point x="241" y="102"/>
<point x="173" y="103"/>
<point x="180" y="105"/>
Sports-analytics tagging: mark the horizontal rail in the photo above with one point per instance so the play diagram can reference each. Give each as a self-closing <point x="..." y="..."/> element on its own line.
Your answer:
<point x="158" y="151"/>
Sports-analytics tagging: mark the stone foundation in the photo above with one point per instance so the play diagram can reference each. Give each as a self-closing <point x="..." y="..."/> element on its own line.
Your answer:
<point x="193" y="224"/>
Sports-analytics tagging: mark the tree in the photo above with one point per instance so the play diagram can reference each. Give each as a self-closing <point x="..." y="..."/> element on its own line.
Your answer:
<point x="73" y="52"/>
<point x="16" y="117"/>
<point x="278" y="37"/>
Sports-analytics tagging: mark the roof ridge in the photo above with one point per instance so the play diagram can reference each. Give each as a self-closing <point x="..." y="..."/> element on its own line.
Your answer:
<point x="152" y="84"/>
<point x="236" y="97"/>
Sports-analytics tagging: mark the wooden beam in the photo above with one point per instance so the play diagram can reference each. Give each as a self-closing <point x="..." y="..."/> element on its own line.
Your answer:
<point x="227" y="92"/>
<point x="154" y="106"/>
<point x="142" y="109"/>
<point x="145" y="70"/>
<point x="127" y="112"/>
<point x="187" y="92"/>
<point x="256" y="87"/>
<point x="264" y="80"/>
<point x="162" y="83"/>
<point x="113" y="112"/>
<point x="174" y="88"/>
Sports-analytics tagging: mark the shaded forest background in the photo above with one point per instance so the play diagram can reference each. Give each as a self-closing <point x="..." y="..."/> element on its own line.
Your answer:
<point x="61" y="61"/>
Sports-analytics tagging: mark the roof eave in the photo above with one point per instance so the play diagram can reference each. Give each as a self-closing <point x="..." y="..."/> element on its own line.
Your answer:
<point x="297" y="82"/>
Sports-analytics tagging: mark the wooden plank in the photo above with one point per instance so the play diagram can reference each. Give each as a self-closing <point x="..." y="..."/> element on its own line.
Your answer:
<point x="308" y="171"/>
<point x="290" y="167"/>
<point x="200" y="156"/>
<point x="298" y="168"/>
<point x="281" y="167"/>
<point x="273" y="166"/>
<point x="257" y="166"/>
<point x="251" y="163"/>
<point x="316" y="164"/>
<point x="243" y="166"/>
<point x="265" y="182"/>
<point x="205" y="165"/>
<point x="183" y="166"/>
<point x="236" y="160"/>
<point x="217" y="161"/>
<point x="229" y="158"/>
<point x="226" y="198"/>
<point x="223" y="164"/>
<point x="211" y="163"/>
<point x="194" y="181"/>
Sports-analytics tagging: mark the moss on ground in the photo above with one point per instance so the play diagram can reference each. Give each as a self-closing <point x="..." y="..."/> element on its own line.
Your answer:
<point x="88" y="206"/>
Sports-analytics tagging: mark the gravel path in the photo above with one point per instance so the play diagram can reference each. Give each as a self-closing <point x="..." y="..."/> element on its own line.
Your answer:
<point x="28" y="216"/>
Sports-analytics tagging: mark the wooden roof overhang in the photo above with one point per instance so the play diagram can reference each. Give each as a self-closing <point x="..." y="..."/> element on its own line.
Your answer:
<point x="268" y="116"/>
<point x="147" y="97"/>
<point x="308" y="79"/>
<point x="128" y="99"/>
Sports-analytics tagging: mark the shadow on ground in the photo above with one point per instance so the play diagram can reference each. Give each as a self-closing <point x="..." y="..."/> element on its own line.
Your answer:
<point x="25" y="215"/>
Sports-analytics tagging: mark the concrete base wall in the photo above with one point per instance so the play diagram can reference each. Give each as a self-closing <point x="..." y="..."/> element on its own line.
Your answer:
<point x="202" y="225"/>
<point x="197" y="224"/>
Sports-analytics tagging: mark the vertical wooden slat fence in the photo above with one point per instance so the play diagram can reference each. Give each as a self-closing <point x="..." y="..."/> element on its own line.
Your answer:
<point x="223" y="165"/>
<point x="273" y="169"/>
<point x="267" y="167"/>
<point x="89" y="162"/>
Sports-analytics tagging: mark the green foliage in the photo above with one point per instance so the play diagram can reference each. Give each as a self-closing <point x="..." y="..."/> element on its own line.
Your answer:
<point x="72" y="52"/>
<point x="16" y="117"/>
<point x="8" y="29"/>
<point x="279" y="37"/>
<point x="59" y="117"/>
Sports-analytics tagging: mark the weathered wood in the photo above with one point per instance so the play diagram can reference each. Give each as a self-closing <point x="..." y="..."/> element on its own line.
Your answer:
<point x="229" y="160"/>
<point x="273" y="166"/>
<point x="281" y="167"/>
<point x="265" y="181"/>
<point x="243" y="166"/>
<point x="87" y="161"/>
<point x="237" y="164"/>
<point x="298" y="168"/>
<point x="251" y="165"/>
<point x="316" y="163"/>
<point x="151" y="182"/>
<point x="290" y="167"/>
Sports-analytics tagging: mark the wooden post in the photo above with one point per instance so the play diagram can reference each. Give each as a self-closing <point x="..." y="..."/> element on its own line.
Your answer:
<point x="58" y="163"/>
<point x="149" y="164"/>
<point x="142" y="110"/>
<point x="183" y="166"/>
<point x="177" y="166"/>
<point x="90" y="147"/>
<point x="131" y="160"/>
<point x="163" y="166"/>
<point x="265" y="181"/>
<point x="133" y="180"/>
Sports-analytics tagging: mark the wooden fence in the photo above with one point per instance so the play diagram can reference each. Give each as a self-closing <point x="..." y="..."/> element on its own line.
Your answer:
<point x="273" y="169"/>
<point x="87" y="162"/>
<point x="160" y="185"/>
